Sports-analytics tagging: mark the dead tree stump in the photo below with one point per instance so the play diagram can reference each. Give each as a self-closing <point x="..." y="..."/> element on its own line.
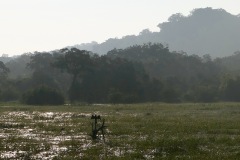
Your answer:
<point x="95" y="128"/>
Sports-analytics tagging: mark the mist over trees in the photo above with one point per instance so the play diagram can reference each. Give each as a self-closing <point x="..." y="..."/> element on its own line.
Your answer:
<point x="190" y="65"/>
<point x="203" y="31"/>
<point x="141" y="73"/>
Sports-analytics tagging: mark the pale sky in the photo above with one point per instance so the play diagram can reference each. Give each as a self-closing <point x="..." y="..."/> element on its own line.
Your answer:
<point x="44" y="25"/>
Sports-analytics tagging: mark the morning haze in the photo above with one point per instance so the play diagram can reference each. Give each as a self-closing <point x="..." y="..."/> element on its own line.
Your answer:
<point x="165" y="86"/>
<point x="203" y="31"/>
<point x="44" y="25"/>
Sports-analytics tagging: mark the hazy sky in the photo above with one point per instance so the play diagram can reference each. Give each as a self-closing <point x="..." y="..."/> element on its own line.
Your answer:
<point x="44" y="25"/>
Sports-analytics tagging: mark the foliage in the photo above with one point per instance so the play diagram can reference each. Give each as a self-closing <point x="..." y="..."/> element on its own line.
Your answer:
<point x="231" y="90"/>
<point x="9" y="93"/>
<point x="17" y="66"/>
<point x="145" y="73"/>
<point x="178" y="72"/>
<point x="44" y="72"/>
<point x="76" y="62"/>
<point x="3" y="70"/>
<point x="95" y="78"/>
<point x="43" y="96"/>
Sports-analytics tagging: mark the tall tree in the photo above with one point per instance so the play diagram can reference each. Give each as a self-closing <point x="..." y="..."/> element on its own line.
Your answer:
<point x="76" y="62"/>
<point x="41" y="65"/>
<point x="3" y="70"/>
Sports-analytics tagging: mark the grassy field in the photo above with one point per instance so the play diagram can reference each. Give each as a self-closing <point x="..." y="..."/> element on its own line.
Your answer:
<point x="139" y="131"/>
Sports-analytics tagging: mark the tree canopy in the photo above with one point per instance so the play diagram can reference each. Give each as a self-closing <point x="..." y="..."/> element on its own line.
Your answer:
<point x="141" y="73"/>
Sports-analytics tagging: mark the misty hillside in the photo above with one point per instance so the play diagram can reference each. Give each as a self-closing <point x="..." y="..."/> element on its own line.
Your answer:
<point x="204" y="31"/>
<point x="144" y="37"/>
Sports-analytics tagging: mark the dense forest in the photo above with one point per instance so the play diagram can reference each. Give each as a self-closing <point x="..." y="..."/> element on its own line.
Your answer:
<point x="141" y="73"/>
<point x="177" y="64"/>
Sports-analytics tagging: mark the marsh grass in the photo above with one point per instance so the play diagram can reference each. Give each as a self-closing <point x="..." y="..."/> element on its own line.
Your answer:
<point x="137" y="131"/>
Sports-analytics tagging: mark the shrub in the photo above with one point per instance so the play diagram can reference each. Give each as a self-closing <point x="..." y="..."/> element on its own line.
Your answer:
<point x="9" y="94"/>
<point x="43" y="96"/>
<point x="116" y="96"/>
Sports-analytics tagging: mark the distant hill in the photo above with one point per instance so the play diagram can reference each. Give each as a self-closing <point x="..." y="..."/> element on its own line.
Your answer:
<point x="204" y="31"/>
<point x="144" y="37"/>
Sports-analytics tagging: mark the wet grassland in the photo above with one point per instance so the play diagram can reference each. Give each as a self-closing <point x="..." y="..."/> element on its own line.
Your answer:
<point x="137" y="131"/>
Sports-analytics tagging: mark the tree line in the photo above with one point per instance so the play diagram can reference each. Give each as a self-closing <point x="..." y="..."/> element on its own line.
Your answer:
<point x="141" y="73"/>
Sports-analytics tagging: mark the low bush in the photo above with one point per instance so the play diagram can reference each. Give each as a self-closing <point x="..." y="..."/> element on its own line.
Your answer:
<point x="43" y="96"/>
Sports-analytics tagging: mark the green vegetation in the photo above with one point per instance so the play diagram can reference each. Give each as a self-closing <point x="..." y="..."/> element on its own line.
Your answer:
<point x="146" y="73"/>
<point x="137" y="131"/>
<point x="141" y="68"/>
<point x="184" y="126"/>
<point x="43" y="96"/>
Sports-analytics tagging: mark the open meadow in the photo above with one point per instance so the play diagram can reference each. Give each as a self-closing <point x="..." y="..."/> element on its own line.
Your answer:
<point x="137" y="131"/>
